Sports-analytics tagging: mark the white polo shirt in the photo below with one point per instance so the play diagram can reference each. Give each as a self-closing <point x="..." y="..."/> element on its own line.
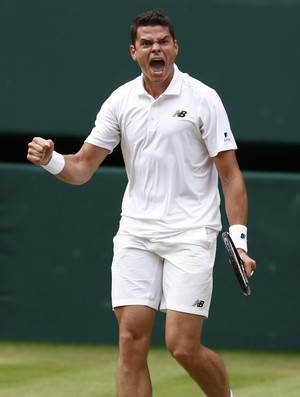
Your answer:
<point x="167" y="145"/>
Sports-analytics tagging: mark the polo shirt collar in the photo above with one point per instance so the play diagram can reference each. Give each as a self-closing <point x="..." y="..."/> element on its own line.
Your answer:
<point x="173" y="88"/>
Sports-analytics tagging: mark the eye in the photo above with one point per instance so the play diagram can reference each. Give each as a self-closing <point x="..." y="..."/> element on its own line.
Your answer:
<point x="146" y="43"/>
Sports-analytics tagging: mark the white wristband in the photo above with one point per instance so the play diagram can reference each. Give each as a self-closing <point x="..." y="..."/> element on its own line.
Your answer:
<point x="238" y="234"/>
<point x="56" y="164"/>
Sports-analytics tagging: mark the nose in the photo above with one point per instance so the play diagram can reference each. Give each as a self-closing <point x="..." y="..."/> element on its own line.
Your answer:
<point x="155" y="47"/>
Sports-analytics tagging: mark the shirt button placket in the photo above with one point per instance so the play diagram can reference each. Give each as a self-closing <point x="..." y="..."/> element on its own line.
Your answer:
<point x="152" y="117"/>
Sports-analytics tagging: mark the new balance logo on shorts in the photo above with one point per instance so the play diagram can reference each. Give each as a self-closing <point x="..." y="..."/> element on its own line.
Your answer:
<point x="180" y="113"/>
<point x="198" y="303"/>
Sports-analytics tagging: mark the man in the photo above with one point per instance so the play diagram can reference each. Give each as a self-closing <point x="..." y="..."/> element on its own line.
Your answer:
<point x="176" y="139"/>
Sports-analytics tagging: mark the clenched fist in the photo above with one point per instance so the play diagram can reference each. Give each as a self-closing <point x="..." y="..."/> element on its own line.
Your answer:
<point x="40" y="151"/>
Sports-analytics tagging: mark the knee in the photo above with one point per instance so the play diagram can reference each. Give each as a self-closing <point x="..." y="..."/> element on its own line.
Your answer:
<point x="181" y="352"/>
<point x="135" y="327"/>
<point x="185" y="352"/>
<point x="181" y="356"/>
<point x="128" y="341"/>
<point x="133" y="347"/>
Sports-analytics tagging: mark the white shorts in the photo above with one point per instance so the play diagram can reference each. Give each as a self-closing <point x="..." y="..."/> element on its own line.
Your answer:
<point x="173" y="273"/>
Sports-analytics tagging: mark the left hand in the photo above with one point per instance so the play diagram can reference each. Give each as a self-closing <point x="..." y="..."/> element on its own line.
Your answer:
<point x="249" y="263"/>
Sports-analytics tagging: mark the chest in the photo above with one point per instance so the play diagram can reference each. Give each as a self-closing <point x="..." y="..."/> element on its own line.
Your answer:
<point x="164" y="121"/>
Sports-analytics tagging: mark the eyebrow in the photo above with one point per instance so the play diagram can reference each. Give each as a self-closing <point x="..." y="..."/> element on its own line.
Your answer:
<point x="151" y="40"/>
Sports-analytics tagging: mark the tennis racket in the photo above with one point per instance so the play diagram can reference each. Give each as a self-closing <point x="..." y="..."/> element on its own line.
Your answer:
<point x="237" y="264"/>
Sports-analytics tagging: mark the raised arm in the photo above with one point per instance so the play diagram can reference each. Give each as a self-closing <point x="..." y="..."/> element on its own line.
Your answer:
<point x="76" y="169"/>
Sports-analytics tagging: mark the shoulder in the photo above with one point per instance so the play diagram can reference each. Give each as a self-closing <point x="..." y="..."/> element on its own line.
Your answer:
<point x="126" y="88"/>
<point x="199" y="89"/>
<point x="194" y="83"/>
<point x="121" y="95"/>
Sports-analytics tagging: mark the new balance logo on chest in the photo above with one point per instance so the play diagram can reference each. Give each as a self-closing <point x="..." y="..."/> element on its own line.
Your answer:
<point x="180" y="113"/>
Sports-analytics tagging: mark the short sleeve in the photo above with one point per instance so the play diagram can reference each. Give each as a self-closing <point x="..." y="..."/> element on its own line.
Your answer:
<point x="106" y="132"/>
<point x="215" y="128"/>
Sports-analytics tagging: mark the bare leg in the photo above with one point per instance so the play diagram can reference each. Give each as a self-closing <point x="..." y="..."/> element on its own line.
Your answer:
<point x="183" y="339"/>
<point x="135" y="327"/>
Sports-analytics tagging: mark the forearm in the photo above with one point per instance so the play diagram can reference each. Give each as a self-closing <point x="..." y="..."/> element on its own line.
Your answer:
<point x="237" y="213"/>
<point x="75" y="171"/>
<point x="236" y="200"/>
<point x="69" y="168"/>
<point x="236" y="205"/>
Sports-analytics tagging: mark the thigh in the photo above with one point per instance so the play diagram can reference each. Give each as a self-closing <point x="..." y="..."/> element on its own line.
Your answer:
<point x="183" y="329"/>
<point x="137" y="320"/>
<point x="188" y="276"/>
<point x="136" y="273"/>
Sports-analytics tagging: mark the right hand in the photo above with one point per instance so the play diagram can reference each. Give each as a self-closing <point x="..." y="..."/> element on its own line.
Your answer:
<point x="40" y="151"/>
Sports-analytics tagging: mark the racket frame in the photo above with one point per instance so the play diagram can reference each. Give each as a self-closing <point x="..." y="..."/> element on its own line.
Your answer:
<point x="236" y="263"/>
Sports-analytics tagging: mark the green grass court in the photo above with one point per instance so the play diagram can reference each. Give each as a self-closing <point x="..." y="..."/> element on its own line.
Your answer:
<point x="55" y="370"/>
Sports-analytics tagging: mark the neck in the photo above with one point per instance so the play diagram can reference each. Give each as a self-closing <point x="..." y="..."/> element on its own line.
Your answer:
<point x="155" y="89"/>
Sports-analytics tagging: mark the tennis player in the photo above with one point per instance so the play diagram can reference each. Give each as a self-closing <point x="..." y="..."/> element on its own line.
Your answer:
<point x="176" y="141"/>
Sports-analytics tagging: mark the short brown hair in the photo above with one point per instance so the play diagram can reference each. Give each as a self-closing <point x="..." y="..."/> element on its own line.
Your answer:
<point x="150" y="18"/>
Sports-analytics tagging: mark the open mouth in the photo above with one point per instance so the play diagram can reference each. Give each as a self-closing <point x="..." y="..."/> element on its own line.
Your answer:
<point x="157" y="65"/>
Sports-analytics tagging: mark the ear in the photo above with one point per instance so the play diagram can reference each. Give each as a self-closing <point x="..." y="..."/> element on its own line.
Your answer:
<point x="176" y="46"/>
<point x="132" y="52"/>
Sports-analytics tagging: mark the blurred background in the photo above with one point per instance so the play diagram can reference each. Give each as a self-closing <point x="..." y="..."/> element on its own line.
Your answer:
<point x="59" y="61"/>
